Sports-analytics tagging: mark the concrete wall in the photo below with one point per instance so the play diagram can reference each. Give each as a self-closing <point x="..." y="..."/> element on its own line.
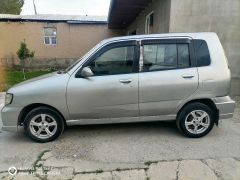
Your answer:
<point x="220" y="16"/>
<point x="73" y="41"/>
<point x="161" y="9"/>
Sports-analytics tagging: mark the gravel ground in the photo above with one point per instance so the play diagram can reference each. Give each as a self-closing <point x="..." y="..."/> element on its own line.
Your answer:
<point x="126" y="151"/>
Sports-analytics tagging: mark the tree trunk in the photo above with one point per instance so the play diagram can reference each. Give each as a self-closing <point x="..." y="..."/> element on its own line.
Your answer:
<point x="23" y="69"/>
<point x="24" y="76"/>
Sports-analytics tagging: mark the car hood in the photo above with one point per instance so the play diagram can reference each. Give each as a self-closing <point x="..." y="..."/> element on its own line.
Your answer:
<point x="42" y="82"/>
<point x="42" y="77"/>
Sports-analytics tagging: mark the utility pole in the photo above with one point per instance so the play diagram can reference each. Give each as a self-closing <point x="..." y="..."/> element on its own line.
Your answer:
<point x="35" y="10"/>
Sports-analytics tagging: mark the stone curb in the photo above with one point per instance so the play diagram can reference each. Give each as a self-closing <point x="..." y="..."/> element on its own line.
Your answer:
<point x="210" y="169"/>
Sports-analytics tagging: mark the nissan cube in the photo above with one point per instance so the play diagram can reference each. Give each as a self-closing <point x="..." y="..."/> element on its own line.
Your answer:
<point x="182" y="77"/>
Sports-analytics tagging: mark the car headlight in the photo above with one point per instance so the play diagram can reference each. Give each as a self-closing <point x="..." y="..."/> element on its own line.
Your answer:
<point x="8" y="98"/>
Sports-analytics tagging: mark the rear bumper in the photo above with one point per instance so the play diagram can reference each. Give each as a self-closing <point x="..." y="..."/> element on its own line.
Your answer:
<point x="225" y="106"/>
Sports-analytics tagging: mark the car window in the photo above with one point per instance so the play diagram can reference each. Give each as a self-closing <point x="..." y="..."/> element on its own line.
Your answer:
<point x="165" y="56"/>
<point x="183" y="56"/>
<point x="156" y="57"/>
<point x="117" y="60"/>
<point x="202" y="53"/>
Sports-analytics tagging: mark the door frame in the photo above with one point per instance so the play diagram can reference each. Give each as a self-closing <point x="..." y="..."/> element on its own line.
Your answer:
<point x="184" y="40"/>
<point x="167" y="40"/>
<point x="111" y="46"/>
<point x="77" y="74"/>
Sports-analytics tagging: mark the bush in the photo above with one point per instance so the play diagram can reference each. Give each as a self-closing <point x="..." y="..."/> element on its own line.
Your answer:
<point x="24" y="54"/>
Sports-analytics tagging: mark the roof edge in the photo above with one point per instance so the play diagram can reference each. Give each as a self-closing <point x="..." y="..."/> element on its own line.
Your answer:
<point x="54" y="18"/>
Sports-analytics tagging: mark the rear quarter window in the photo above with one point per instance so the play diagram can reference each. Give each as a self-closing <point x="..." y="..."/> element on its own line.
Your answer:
<point x="202" y="53"/>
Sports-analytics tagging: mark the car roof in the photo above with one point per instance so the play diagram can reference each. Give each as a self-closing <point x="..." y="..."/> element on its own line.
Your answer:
<point x="165" y="35"/>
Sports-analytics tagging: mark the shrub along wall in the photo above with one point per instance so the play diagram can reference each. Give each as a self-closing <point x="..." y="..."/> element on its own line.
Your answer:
<point x="37" y="63"/>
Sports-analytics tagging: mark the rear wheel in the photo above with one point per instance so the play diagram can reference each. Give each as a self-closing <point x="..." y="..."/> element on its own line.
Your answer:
<point x="195" y="120"/>
<point x="44" y="124"/>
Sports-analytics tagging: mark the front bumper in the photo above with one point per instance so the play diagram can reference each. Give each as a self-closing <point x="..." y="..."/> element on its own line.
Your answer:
<point x="10" y="118"/>
<point x="225" y="106"/>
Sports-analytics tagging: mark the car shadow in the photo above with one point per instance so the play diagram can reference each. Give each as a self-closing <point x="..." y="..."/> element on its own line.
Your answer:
<point x="164" y="128"/>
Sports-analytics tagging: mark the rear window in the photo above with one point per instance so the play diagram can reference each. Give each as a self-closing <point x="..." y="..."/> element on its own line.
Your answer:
<point x="202" y="53"/>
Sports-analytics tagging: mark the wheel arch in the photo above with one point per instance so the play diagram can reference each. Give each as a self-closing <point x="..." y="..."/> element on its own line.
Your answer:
<point x="207" y="102"/>
<point x="30" y="107"/>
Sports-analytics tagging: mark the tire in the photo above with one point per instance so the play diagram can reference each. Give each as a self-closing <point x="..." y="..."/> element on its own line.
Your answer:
<point x="195" y="120"/>
<point x="44" y="124"/>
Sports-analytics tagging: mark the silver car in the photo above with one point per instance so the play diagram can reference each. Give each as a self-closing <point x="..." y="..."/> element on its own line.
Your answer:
<point x="162" y="77"/>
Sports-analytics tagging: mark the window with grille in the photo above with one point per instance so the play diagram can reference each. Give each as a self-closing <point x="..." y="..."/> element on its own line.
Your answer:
<point x="50" y="36"/>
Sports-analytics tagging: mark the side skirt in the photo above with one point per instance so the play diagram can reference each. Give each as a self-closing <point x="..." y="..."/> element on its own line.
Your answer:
<point x="121" y="120"/>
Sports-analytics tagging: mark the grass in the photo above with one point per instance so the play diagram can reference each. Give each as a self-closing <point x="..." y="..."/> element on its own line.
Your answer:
<point x="99" y="171"/>
<point x="148" y="163"/>
<point x="14" y="77"/>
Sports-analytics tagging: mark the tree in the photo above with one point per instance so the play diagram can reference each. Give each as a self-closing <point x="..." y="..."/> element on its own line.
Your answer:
<point x="24" y="54"/>
<point x="11" y="6"/>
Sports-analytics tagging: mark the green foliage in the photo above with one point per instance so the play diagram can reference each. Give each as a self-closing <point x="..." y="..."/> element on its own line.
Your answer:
<point x="148" y="163"/>
<point x="99" y="171"/>
<point x="11" y="6"/>
<point x="15" y="77"/>
<point x="23" y="52"/>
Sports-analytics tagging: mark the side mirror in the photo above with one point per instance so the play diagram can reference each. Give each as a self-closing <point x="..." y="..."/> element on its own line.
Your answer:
<point x="86" y="72"/>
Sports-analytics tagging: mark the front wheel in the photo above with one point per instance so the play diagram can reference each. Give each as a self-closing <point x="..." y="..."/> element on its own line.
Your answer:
<point x="44" y="124"/>
<point x="195" y="120"/>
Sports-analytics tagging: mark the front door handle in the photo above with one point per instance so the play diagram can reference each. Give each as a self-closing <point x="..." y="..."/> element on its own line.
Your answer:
<point x="187" y="76"/>
<point x="125" y="81"/>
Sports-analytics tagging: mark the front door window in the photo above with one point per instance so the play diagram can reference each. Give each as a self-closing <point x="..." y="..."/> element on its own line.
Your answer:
<point x="117" y="60"/>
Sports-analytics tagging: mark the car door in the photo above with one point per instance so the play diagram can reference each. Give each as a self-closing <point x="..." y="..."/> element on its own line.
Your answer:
<point x="168" y="76"/>
<point x="112" y="92"/>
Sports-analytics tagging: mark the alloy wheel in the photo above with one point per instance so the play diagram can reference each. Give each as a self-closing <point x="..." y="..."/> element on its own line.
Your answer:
<point x="197" y="121"/>
<point x="43" y="126"/>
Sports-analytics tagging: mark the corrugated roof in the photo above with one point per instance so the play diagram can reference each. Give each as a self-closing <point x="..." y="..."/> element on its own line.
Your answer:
<point x="9" y="16"/>
<point x="55" y="17"/>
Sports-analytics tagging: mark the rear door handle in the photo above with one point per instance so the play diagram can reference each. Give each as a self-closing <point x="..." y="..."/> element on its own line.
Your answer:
<point x="125" y="81"/>
<point x="187" y="76"/>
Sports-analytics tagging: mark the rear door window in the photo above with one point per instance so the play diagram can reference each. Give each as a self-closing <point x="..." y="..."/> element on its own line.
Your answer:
<point x="165" y="56"/>
<point x="183" y="56"/>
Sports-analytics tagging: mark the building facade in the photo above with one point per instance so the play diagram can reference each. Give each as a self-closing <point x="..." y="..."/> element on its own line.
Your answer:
<point x="56" y="40"/>
<point x="59" y="39"/>
<point x="164" y="16"/>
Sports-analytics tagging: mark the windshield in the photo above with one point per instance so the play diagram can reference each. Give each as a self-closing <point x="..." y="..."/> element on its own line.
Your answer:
<point x="86" y="55"/>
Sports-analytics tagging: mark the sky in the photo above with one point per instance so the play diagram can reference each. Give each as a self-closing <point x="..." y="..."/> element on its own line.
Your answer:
<point x="68" y="7"/>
